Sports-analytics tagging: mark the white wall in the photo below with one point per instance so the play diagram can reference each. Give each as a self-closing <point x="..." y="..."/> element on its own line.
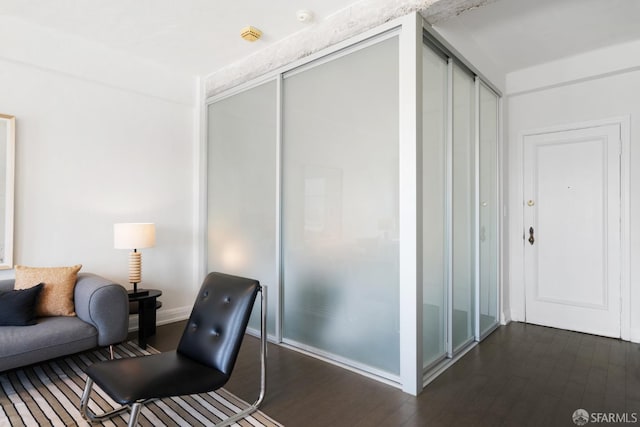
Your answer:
<point x="597" y="85"/>
<point x="96" y="145"/>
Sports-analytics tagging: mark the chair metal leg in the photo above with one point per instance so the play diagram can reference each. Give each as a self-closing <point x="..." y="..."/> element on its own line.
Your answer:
<point x="111" y="351"/>
<point x="135" y="412"/>
<point x="86" y="412"/>
<point x="263" y="365"/>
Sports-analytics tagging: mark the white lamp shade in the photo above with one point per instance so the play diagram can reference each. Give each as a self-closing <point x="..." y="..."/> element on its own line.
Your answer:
<point x="134" y="235"/>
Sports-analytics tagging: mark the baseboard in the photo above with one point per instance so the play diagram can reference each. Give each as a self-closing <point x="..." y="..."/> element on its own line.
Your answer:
<point x="514" y="315"/>
<point x="634" y="335"/>
<point x="163" y="317"/>
<point x="256" y="333"/>
<point x="506" y="317"/>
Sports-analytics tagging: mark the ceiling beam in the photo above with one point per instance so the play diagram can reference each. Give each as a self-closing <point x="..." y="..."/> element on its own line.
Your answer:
<point x="348" y="22"/>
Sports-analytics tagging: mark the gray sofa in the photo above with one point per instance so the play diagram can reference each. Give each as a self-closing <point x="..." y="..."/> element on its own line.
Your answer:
<point x="102" y="309"/>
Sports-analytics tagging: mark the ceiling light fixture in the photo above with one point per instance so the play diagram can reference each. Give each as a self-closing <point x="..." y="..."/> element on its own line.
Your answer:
<point x="250" y="33"/>
<point x="304" y="15"/>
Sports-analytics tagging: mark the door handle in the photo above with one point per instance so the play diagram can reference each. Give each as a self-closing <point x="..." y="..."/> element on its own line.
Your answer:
<point x="531" y="238"/>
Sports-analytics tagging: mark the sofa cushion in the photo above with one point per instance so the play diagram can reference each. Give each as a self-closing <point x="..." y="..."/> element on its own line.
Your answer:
<point x="56" y="298"/>
<point x="18" y="308"/>
<point x="51" y="337"/>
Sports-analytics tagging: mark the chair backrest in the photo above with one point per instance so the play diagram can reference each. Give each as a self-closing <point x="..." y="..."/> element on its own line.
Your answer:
<point x="218" y="321"/>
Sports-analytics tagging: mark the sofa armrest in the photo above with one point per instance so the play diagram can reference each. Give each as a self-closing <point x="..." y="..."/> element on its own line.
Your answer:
<point x="103" y="304"/>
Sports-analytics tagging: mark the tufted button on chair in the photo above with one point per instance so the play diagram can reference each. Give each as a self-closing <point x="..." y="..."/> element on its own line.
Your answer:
<point x="203" y="361"/>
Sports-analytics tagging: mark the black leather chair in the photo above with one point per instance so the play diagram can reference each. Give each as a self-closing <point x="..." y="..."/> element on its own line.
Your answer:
<point x="202" y="362"/>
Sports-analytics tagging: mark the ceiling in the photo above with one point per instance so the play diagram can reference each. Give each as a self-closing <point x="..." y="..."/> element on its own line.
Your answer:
<point x="517" y="34"/>
<point x="194" y="36"/>
<point x="201" y="36"/>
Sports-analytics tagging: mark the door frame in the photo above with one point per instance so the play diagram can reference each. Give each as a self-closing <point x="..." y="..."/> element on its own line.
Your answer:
<point x="516" y="239"/>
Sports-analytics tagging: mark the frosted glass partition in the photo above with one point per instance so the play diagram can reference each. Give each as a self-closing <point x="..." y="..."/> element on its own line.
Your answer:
<point x="488" y="233"/>
<point x="463" y="212"/>
<point x="241" y="186"/>
<point x="434" y="262"/>
<point x="340" y="208"/>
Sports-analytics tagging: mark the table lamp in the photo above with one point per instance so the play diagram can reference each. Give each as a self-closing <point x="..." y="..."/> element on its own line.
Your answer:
<point x="134" y="236"/>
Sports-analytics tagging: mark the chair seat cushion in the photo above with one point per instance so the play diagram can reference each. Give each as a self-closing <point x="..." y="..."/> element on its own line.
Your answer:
<point x="154" y="376"/>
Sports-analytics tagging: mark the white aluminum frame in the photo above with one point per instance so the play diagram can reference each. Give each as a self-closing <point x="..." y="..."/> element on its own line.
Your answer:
<point x="410" y="201"/>
<point x="476" y="213"/>
<point x="449" y="208"/>
<point x="461" y="347"/>
<point x="480" y="335"/>
<point x="409" y="30"/>
<point x="431" y="371"/>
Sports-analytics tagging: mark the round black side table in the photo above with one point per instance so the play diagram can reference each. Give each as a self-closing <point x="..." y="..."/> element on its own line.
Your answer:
<point x="146" y="303"/>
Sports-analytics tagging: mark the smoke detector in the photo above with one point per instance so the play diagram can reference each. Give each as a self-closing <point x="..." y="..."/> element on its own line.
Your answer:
<point x="250" y="33"/>
<point x="304" y="15"/>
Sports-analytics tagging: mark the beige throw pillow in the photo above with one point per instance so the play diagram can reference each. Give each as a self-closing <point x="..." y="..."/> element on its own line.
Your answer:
<point x="56" y="298"/>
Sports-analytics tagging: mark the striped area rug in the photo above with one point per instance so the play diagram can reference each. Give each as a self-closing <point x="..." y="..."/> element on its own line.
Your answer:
<point x="48" y="394"/>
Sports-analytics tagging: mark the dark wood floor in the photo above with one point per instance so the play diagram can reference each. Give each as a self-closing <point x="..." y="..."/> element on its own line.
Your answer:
<point x="519" y="376"/>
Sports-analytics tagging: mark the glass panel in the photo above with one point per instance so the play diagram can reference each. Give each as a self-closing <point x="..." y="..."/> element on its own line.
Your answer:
<point x="340" y="207"/>
<point x="463" y="217"/>
<point x="242" y="190"/>
<point x="434" y="261"/>
<point x="488" y="209"/>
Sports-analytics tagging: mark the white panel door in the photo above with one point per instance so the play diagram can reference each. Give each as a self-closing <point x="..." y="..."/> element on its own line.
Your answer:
<point x="572" y="229"/>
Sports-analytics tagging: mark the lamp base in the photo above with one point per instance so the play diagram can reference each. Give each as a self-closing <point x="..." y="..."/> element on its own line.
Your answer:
<point x="137" y="293"/>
